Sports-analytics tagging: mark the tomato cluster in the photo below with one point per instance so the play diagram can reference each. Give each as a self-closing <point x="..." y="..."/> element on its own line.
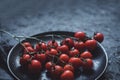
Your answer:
<point x="60" y="60"/>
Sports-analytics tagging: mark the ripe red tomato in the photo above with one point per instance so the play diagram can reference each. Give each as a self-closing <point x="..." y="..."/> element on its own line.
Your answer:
<point x="76" y="62"/>
<point x="41" y="46"/>
<point x="74" y="53"/>
<point x="79" y="45"/>
<point x="35" y="66"/>
<point x="80" y="35"/>
<point x="29" y="49"/>
<point x="52" y="44"/>
<point x="67" y="75"/>
<point x="86" y="54"/>
<point x="49" y="66"/>
<point x="69" y="67"/>
<point x="99" y="37"/>
<point x="91" y="44"/>
<point x="57" y="71"/>
<point x="87" y="64"/>
<point x="69" y="42"/>
<point x="53" y="51"/>
<point x="40" y="57"/>
<point x="63" y="48"/>
<point x="25" y="59"/>
<point x="27" y="44"/>
<point x="64" y="57"/>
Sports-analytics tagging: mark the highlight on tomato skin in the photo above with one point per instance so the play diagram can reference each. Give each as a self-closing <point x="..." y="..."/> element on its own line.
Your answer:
<point x="61" y="59"/>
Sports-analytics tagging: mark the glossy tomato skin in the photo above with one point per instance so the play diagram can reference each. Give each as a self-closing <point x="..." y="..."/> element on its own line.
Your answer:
<point x="69" y="67"/>
<point x="25" y="59"/>
<point x="91" y="44"/>
<point x="67" y="75"/>
<point x="40" y="57"/>
<point x="73" y="53"/>
<point x="41" y="46"/>
<point x="69" y="42"/>
<point x="53" y="52"/>
<point x="29" y="49"/>
<point x="76" y="62"/>
<point x="80" y="35"/>
<point x="63" y="49"/>
<point x="35" y="66"/>
<point x="64" y="57"/>
<point x="88" y="64"/>
<point x="52" y="44"/>
<point x="86" y="54"/>
<point x="80" y="46"/>
<point x="99" y="37"/>
<point x="57" y="71"/>
<point x="27" y="44"/>
<point x="49" y="65"/>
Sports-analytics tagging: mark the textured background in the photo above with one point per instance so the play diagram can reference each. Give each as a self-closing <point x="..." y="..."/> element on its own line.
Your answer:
<point x="28" y="17"/>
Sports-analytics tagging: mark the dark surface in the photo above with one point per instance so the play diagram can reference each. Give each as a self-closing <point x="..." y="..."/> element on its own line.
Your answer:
<point x="28" y="17"/>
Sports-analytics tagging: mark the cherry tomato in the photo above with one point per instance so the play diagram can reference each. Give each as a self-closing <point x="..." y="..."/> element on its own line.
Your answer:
<point x="67" y="75"/>
<point x="49" y="66"/>
<point x="29" y="49"/>
<point x="57" y="71"/>
<point x="35" y="66"/>
<point x="27" y="44"/>
<point x="52" y="44"/>
<point x="69" y="67"/>
<point x="87" y="63"/>
<point x="80" y="35"/>
<point x="69" y="42"/>
<point x="79" y="45"/>
<point x="25" y="59"/>
<point x="64" y="57"/>
<point x="99" y="37"/>
<point x="86" y="54"/>
<point x="63" y="48"/>
<point x="53" y="51"/>
<point x="91" y="44"/>
<point x="41" y="46"/>
<point x="76" y="62"/>
<point x="74" y="53"/>
<point x="40" y="57"/>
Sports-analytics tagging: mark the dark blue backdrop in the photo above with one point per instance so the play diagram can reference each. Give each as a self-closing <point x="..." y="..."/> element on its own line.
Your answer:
<point x="28" y="17"/>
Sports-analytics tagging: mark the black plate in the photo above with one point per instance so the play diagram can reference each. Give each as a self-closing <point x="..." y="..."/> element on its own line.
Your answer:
<point x="100" y="60"/>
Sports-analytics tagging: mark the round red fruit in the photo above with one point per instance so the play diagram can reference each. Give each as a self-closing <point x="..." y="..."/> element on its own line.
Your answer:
<point x="57" y="71"/>
<point x="40" y="57"/>
<point x="69" y="67"/>
<point x="79" y="45"/>
<point x="49" y="66"/>
<point x="88" y="63"/>
<point x="29" y="49"/>
<point x="74" y="53"/>
<point x="53" y="52"/>
<point x="25" y="59"/>
<point x="76" y="62"/>
<point x="35" y="66"/>
<point x="99" y="37"/>
<point x="27" y="44"/>
<point x="69" y="42"/>
<point x="64" y="57"/>
<point x="86" y="54"/>
<point x="80" y="35"/>
<point x="63" y="48"/>
<point x="52" y="44"/>
<point x="67" y="75"/>
<point x="91" y="44"/>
